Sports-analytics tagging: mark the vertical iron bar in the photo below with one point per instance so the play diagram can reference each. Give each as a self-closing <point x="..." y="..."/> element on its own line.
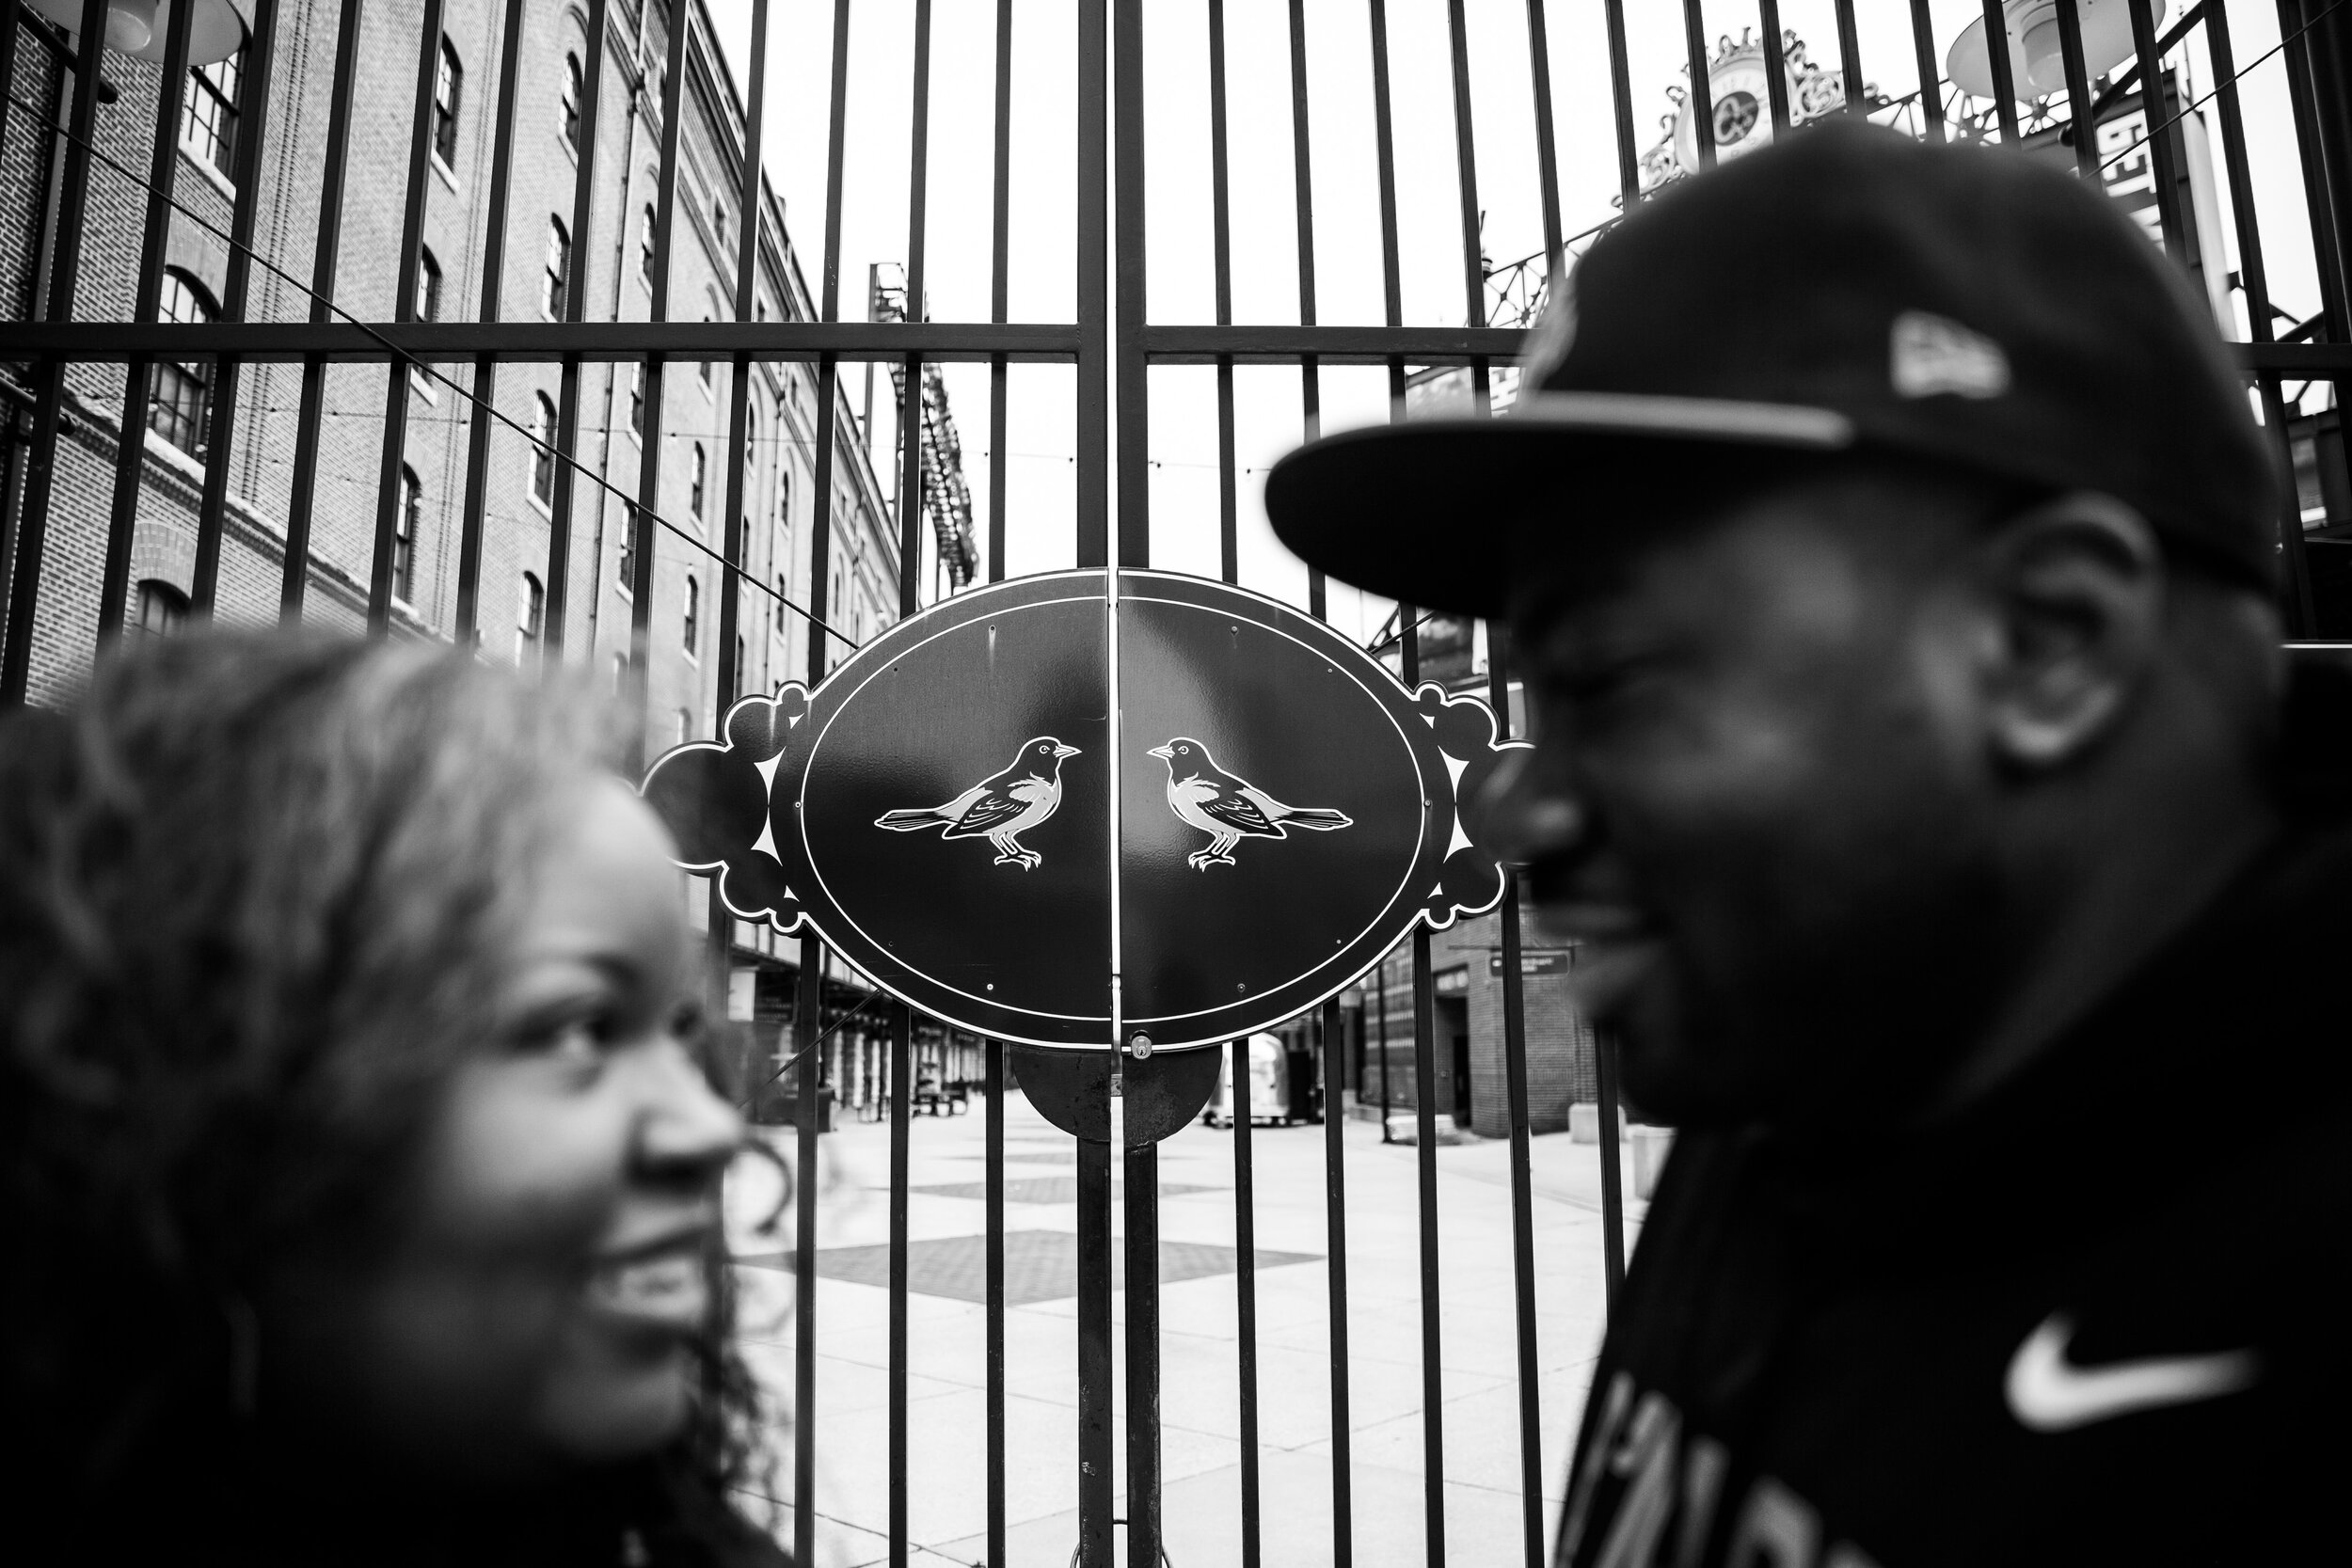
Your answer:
<point x="2255" y="276"/>
<point x="1621" y="108"/>
<point x="901" y="1136"/>
<point x="1996" y="56"/>
<point x="1849" y="56"/>
<point x="418" y="178"/>
<point x="2301" y="55"/>
<point x="1221" y="256"/>
<point x="12" y="28"/>
<point x="1775" y="63"/>
<point x="999" y="295"/>
<point x="994" y="1223"/>
<point x="1392" y="287"/>
<point x="237" y="282"/>
<point x="302" y="501"/>
<point x="1335" y="1232"/>
<point x="911" y="403"/>
<point x="1522" y="1174"/>
<point x="1131" y="371"/>
<point x="131" y="448"/>
<point x="2081" y="106"/>
<point x="1432" y="1314"/>
<point x="1702" y="97"/>
<point x="1466" y="170"/>
<point x="820" y="514"/>
<point x="1384" y="1045"/>
<point x="574" y="306"/>
<point x="639" y="717"/>
<point x="1143" y="1353"/>
<point x="1547" y="149"/>
<point x="2163" y="138"/>
<point x="467" y="631"/>
<point x="1094" y="1354"/>
<point x="1246" y="1293"/>
<point x="1425" y="1161"/>
<point x="1611" y="1169"/>
<point x="1930" y="74"/>
<point x="807" y="1020"/>
<point x="16" y="653"/>
<point x="720" y="923"/>
<point x="1094" y="526"/>
<point x="1303" y="187"/>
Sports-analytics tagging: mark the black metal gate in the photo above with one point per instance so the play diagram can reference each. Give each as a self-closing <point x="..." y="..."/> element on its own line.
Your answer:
<point x="66" y="553"/>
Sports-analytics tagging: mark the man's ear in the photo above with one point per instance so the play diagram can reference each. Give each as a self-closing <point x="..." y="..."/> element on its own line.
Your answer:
<point x="2077" y="585"/>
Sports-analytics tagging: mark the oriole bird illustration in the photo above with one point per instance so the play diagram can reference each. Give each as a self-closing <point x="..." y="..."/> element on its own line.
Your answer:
<point x="999" y="808"/>
<point x="1227" y="808"/>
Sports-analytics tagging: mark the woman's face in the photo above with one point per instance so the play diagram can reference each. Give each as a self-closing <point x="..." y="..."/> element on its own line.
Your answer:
<point x="540" y="1304"/>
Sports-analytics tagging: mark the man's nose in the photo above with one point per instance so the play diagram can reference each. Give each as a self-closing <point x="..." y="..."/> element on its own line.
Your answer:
<point x="1527" y="815"/>
<point x="685" y="1131"/>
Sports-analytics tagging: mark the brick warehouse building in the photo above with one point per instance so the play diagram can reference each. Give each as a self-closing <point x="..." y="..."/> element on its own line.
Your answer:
<point x="518" y="518"/>
<point x="614" y="268"/>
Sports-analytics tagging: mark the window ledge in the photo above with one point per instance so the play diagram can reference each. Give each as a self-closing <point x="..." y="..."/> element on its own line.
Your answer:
<point x="449" y="175"/>
<point x="195" y="159"/>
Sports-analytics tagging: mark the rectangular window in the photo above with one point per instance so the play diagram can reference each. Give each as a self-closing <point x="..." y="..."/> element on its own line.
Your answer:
<point x="209" y="112"/>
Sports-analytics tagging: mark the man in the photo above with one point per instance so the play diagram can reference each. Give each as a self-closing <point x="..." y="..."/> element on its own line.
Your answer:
<point x="1889" y="553"/>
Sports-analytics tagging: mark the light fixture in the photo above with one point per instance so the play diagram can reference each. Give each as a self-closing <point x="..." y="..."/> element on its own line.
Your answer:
<point x="2037" y="62"/>
<point x="139" y="28"/>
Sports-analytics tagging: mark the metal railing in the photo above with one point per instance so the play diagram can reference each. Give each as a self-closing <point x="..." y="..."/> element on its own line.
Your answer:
<point x="1112" y="343"/>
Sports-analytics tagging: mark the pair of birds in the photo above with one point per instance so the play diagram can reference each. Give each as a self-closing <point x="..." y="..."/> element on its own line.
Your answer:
<point x="1223" y="805"/>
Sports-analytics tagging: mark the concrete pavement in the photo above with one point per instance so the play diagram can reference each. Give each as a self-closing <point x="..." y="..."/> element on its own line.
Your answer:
<point x="947" y="1504"/>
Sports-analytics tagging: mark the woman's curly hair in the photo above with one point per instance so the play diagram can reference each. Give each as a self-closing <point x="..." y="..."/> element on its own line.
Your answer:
<point x="255" y="891"/>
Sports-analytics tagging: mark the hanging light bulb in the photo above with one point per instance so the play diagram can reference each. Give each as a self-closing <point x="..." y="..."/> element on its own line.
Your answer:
<point x="140" y="28"/>
<point x="2037" y="58"/>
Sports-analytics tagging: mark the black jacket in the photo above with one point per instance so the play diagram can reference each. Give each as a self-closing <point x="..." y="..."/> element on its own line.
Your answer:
<point x="2097" y="1318"/>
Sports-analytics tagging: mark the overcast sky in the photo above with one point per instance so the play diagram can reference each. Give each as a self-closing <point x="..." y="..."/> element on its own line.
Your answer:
<point x="1041" y="476"/>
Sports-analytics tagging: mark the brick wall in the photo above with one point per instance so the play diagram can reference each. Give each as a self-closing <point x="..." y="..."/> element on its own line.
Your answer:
<point x="517" y="526"/>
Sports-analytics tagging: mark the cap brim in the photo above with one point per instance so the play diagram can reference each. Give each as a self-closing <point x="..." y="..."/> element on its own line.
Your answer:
<point x="1421" y="511"/>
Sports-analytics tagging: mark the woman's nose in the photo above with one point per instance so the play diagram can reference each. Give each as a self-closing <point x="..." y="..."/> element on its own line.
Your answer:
<point x="686" y="1130"/>
<point x="1526" y="818"/>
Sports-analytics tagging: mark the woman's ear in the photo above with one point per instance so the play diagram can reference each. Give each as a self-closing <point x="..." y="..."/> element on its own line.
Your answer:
<point x="2077" y="585"/>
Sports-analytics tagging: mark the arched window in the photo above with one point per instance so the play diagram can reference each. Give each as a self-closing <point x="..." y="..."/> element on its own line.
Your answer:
<point x="570" y="121"/>
<point x="162" y="607"/>
<point x="405" y="530"/>
<point x="694" y="495"/>
<point x="543" y="455"/>
<point x="531" y="609"/>
<point x="645" y="244"/>
<point x="449" y="91"/>
<point x="694" y="614"/>
<point x="180" y="396"/>
<point x="784" y="591"/>
<point x="208" y="112"/>
<point x="428" y="285"/>
<point x="559" y="261"/>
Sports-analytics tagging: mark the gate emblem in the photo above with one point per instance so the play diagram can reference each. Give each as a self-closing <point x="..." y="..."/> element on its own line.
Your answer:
<point x="1230" y="809"/>
<point x="999" y="809"/>
<point x="1175" y="709"/>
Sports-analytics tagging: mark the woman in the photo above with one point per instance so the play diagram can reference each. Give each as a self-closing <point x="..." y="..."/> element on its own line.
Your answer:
<point x="359" y="1180"/>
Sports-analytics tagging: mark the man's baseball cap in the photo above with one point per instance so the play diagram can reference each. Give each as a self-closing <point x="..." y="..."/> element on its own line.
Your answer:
<point x="1846" y="289"/>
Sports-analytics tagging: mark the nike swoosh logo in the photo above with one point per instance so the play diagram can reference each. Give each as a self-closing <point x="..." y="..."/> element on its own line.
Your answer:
<point x="2049" y="1393"/>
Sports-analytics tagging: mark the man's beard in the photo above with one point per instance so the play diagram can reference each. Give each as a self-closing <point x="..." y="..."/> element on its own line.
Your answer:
<point x="1845" y="1023"/>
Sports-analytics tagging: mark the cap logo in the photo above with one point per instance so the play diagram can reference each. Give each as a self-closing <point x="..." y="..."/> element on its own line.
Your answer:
<point x="1554" y="334"/>
<point x="1929" y="354"/>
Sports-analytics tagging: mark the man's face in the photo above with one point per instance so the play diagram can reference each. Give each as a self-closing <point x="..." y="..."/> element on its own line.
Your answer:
<point x="1755" y="804"/>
